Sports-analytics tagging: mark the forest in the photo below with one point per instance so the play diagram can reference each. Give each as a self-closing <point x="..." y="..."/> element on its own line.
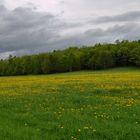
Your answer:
<point x="99" y="56"/>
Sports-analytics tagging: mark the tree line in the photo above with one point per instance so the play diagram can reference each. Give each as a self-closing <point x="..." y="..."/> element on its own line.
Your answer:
<point x="99" y="56"/>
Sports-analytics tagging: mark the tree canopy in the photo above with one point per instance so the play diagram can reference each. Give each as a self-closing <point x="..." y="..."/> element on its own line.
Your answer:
<point x="99" y="56"/>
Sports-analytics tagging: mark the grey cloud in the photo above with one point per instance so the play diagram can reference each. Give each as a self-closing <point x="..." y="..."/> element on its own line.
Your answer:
<point x="128" y="31"/>
<point x="26" y="31"/>
<point x="132" y="16"/>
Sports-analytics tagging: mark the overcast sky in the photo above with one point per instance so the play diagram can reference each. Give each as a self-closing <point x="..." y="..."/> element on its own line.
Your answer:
<point x="34" y="26"/>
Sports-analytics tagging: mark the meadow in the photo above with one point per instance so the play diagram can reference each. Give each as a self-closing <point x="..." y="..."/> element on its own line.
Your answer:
<point x="86" y="105"/>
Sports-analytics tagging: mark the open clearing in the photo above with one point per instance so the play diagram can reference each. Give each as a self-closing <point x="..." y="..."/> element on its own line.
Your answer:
<point x="80" y="105"/>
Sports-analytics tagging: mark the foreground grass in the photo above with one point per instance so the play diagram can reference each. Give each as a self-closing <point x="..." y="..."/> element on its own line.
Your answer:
<point x="81" y="106"/>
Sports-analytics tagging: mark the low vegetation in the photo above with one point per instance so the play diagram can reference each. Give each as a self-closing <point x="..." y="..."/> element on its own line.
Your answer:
<point x="88" y="105"/>
<point x="100" y="56"/>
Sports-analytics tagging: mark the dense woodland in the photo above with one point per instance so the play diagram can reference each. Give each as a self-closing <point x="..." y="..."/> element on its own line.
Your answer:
<point x="99" y="56"/>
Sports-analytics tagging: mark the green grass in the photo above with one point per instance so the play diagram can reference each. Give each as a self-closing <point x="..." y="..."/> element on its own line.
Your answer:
<point x="87" y="105"/>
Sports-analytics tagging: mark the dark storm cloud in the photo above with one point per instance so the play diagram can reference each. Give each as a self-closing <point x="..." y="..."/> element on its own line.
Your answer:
<point x="132" y="16"/>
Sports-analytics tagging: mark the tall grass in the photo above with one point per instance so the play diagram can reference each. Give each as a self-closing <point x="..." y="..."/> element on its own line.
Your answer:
<point x="79" y="106"/>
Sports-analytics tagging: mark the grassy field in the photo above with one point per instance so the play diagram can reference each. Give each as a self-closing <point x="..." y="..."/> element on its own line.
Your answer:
<point x="71" y="106"/>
